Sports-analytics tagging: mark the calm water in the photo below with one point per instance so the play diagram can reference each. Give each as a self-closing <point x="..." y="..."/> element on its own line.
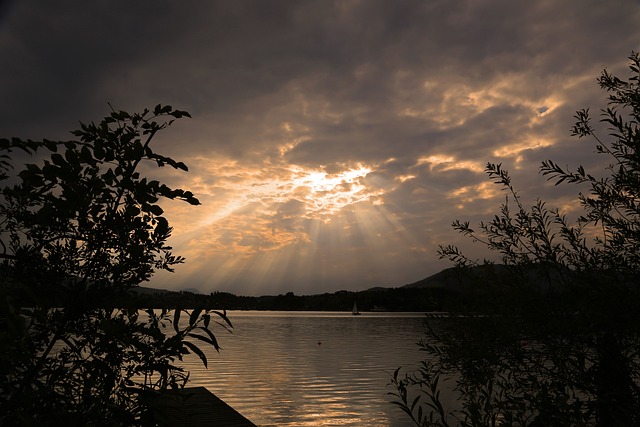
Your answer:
<point x="311" y="368"/>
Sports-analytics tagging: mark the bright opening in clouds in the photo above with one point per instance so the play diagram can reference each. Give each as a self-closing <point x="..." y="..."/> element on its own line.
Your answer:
<point x="318" y="193"/>
<point x="332" y="142"/>
<point x="325" y="194"/>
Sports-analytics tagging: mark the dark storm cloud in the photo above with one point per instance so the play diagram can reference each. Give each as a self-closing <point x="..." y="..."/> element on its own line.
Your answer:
<point x="423" y="93"/>
<point x="224" y="58"/>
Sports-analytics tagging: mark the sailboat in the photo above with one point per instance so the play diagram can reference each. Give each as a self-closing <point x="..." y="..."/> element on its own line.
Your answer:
<point x="355" y="311"/>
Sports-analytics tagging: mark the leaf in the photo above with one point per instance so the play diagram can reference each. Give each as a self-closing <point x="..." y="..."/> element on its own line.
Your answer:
<point x="212" y="337"/>
<point x="156" y="210"/>
<point x="57" y="159"/>
<point x="176" y="319"/>
<point x="415" y="402"/>
<point x="162" y="226"/>
<point x="162" y="110"/>
<point x="194" y="348"/>
<point x="99" y="152"/>
<point x="71" y="156"/>
<point x="223" y="316"/>
<point x="193" y="318"/>
<point x="85" y="154"/>
<point x="213" y="342"/>
<point x="179" y="113"/>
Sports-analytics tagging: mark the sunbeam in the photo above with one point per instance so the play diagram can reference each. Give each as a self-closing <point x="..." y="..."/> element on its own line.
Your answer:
<point x="297" y="226"/>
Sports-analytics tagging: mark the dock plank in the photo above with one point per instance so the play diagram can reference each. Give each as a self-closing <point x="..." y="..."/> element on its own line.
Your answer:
<point x="194" y="407"/>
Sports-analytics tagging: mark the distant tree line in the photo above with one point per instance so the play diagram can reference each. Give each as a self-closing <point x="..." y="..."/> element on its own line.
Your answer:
<point x="378" y="299"/>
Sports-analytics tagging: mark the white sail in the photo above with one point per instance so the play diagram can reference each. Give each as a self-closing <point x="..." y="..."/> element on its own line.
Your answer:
<point x="355" y="311"/>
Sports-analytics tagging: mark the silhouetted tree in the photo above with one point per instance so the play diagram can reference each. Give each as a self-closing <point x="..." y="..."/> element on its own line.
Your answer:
<point x="79" y="228"/>
<point x="550" y="335"/>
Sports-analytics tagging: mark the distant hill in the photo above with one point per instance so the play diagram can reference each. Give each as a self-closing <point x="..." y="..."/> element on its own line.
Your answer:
<point x="454" y="279"/>
<point x="143" y="290"/>
<point x="448" y="278"/>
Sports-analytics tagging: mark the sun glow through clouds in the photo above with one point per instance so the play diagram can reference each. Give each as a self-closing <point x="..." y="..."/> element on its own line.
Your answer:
<point x="254" y="204"/>
<point x="290" y="223"/>
<point x="293" y="224"/>
<point x="325" y="193"/>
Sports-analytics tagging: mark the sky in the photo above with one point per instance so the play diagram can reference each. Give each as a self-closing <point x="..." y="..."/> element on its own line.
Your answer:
<point x="332" y="143"/>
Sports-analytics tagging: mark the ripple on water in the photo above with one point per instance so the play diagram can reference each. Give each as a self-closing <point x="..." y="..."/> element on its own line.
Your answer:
<point x="274" y="372"/>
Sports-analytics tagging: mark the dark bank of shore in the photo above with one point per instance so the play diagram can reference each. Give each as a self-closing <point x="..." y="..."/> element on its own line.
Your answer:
<point x="439" y="292"/>
<point x="377" y="299"/>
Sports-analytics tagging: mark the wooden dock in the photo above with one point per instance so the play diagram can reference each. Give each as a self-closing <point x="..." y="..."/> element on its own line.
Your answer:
<point x="193" y="407"/>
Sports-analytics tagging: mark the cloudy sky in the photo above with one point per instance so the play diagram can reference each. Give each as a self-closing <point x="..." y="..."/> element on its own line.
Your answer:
<point x="332" y="142"/>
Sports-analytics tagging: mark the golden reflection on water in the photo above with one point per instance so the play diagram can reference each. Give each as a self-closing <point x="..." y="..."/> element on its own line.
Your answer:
<point x="311" y="369"/>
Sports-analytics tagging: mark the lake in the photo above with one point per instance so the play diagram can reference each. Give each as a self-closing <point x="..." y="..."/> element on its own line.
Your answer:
<point x="311" y="368"/>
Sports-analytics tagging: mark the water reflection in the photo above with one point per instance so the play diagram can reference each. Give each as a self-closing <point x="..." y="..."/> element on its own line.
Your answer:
<point x="311" y="369"/>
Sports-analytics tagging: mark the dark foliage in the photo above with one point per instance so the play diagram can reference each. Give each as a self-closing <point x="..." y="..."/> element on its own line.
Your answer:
<point x="551" y="336"/>
<point x="79" y="228"/>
